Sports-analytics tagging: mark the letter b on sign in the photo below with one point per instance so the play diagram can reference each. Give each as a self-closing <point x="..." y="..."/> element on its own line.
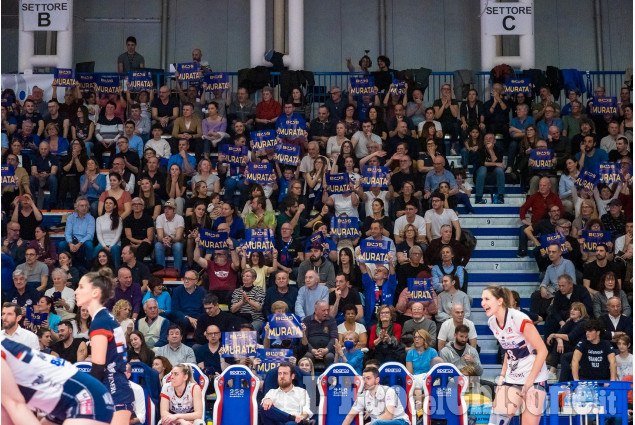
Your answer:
<point x="43" y="19"/>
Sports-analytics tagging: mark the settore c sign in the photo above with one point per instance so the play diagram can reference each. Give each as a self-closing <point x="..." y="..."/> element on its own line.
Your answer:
<point x="508" y="18"/>
<point x="45" y="15"/>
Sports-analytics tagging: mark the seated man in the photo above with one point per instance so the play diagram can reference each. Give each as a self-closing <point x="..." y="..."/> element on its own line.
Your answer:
<point x="281" y="291"/>
<point x="213" y="315"/>
<point x="320" y="334"/>
<point x="183" y="159"/>
<point x="594" y="358"/>
<point x="36" y="272"/>
<point x="287" y="404"/>
<point x="67" y="347"/>
<point x="543" y="297"/>
<point x="165" y="109"/>
<point x="153" y="327"/>
<point x="438" y="216"/>
<point x="127" y="290"/>
<point x="13" y="245"/>
<point x="437" y="175"/>
<point x="79" y="233"/>
<point x="309" y="294"/>
<point x="11" y="317"/>
<point x="433" y="253"/>
<point x="446" y="332"/>
<point x="208" y="355"/>
<point x="317" y="262"/>
<point x="131" y="159"/>
<point x="417" y="322"/>
<point x="545" y="226"/>
<point x="160" y="145"/>
<point x="568" y="293"/>
<point x="190" y="128"/>
<point x="170" y="227"/>
<point x="379" y="402"/>
<point x="175" y="351"/>
<point x="489" y="168"/>
<point x="241" y="108"/>
<point x="187" y="302"/>
<point x="44" y="168"/>
<point x="615" y="323"/>
<point x="344" y="295"/>
<point x="460" y="353"/>
<point x="234" y="176"/>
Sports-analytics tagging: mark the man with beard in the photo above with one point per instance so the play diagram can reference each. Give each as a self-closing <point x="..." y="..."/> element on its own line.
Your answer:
<point x="322" y="266"/>
<point x="589" y="158"/>
<point x="287" y="404"/>
<point x="67" y="347"/>
<point x="594" y="270"/>
<point x="379" y="402"/>
<point x="460" y="353"/>
<point x="11" y="316"/>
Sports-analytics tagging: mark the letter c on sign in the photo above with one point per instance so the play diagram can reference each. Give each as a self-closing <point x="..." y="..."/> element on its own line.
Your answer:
<point x="505" y="22"/>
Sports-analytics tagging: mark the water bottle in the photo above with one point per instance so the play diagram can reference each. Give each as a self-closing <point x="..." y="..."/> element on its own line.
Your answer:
<point x="568" y="398"/>
<point x="496" y="198"/>
<point x="595" y="394"/>
<point x="579" y="397"/>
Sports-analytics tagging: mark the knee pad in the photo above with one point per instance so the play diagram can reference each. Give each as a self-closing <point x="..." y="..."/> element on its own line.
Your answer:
<point x="496" y="418"/>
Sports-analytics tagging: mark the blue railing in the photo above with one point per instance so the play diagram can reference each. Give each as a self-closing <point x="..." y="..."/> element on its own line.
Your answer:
<point x="611" y="80"/>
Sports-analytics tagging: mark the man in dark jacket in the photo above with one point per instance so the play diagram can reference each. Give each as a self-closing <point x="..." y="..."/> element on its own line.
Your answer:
<point x="615" y="323"/>
<point x="567" y="294"/>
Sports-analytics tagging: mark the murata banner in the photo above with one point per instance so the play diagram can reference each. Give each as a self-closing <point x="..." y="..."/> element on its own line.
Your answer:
<point x="45" y="15"/>
<point x="508" y="19"/>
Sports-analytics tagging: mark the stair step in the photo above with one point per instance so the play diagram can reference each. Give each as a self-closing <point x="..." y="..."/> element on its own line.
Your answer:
<point x="489" y="209"/>
<point x="500" y="253"/>
<point x="526" y="264"/>
<point x="495" y="220"/>
<point x="506" y="276"/>
<point x="487" y="243"/>
<point x="491" y="371"/>
<point x="511" y="200"/>
<point x="488" y="232"/>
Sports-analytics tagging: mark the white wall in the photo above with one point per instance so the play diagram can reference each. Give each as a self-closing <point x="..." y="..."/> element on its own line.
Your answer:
<point x="438" y="35"/>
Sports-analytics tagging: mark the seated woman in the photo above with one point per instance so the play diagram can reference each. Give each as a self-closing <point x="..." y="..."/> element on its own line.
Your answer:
<point x="58" y="145"/>
<point x="386" y="331"/>
<point x="489" y="166"/>
<point x="108" y="228"/>
<point x="267" y="110"/>
<point x="199" y="218"/>
<point x="520" y="165"/>
<point x="122" y="311"/>
<point x="314" y="184"/>
<point x="44" y="305"/>
<point x="447" y="266"/>
<point x="91" y="184"/>
<point x="378" y="213"/>
<point x="71" y="167"/>
<point x="161" y="365"/>
<point x="158" y="292"/>
<point x="608" y="288"/>
<point x="103" y="258"/>
<point x="44" y="247"/>
<point x="138" y="350"/>
<point x="204" y="174"/>
<point x="63" y="296"/>
<point x="118" y="191"/>
<point x="151" y="202"/>
<point x="349" y="352"/>
<point x="256" y="261"/>
<point x="410" y="236"/>
<point x="175" y="187"/>
<point x="470" y="147"/>
<point x="236" y="224"/>
<point x="344" y="204"/>
<point x="426" y="155"/>
<point x="65" y="261"/>
<point x="421" y="353"/>
<point x="565" y="340"/>
<point x="186" y="408"/>
<point x="334" y="143"/>
<point x="350" y="325"/>
<point x="246" y="301"/>
<point x="449" y="296"/>
<point x="346" y="264"/>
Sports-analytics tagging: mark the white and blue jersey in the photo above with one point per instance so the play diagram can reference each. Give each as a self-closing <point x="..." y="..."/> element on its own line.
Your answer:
<point x="55" y="386"/>
<point x="104" y="323"/>
<point x="521" y="356"/>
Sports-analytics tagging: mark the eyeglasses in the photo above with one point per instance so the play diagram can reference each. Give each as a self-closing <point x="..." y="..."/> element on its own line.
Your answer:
<point x="30" y="255"/>
<point x="213" y="333"/>
<point x="189" y="279"/>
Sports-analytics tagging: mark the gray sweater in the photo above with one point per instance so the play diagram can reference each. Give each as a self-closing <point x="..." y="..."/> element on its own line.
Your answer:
<point x="450" y="355"/>
<point x="305" y="303"/>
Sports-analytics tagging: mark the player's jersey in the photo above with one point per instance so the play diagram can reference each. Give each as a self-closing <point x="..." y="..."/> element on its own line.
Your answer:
<point x="183" y="404"/>
<point x="116" y="355"/>
<point x="520" y="355"/>
<point x="40" y="377"/>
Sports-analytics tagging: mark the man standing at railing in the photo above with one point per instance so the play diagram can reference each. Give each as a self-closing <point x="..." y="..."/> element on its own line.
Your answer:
<point x="130" y="59"/>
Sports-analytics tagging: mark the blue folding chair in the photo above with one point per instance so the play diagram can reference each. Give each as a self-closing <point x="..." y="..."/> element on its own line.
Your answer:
<point x="395" y="375"/>
<point x="443" y="395"/>
<point x="339" y="387"/>
<point x="236" y="392"/>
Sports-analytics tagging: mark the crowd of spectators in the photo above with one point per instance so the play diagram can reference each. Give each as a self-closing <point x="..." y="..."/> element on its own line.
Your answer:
<point x="144" y="172"/>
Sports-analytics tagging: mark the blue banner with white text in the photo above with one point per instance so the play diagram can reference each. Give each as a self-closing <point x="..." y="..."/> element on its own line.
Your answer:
<point x="586" y="180"/>
<point x="216" y="81"/>
<point x="108" y="84"/>
<point x="420" y="289"/>
<point x="271" y="358"/>
<point x="63" y="77"/>
<point x="609" y="173"/>
<point x="287" y="154"/>
<point x="541" y="159"/>
<point x="239" y="344"/>
<point x="8" y="175"/>
<point x="260" y="172"/>
<point x="593" y="238"/>
<point x="603" y="106"/>
<point x="375" y="177"/>
<point x="291" y="128"/>
<point x="363" y="86"/>
<point x="284" y="326"/>
<point x="258" y="240"/>
<point x="264" y="139"/>
<point x="546" y="240"/>
<point x="139" y="81"/>
<point x="188" y="71"/>
<point x="398" y="87"/>
<point x="374" y="251"/>
<point x="338" y="184"/>
<point x="235" y="155"/>
<point x="345" y="227"/>
<point x="212" y="240"/>
<point x="87" y="82"/>
<point x="516" y="85"/>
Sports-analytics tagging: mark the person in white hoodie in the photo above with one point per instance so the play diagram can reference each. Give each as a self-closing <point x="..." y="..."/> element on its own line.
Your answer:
<point x="108" y="228"/>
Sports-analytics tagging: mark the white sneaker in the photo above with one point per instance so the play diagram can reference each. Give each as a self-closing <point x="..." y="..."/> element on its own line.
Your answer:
<point x="553" y="377"/>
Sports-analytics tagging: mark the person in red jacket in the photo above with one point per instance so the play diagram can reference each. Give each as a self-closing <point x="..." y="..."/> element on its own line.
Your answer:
<point x="538" y="203"/>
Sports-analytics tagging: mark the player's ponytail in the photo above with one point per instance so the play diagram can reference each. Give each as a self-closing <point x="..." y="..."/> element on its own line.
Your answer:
<point x="187" y="371"/>
<point x="102" y="279"/>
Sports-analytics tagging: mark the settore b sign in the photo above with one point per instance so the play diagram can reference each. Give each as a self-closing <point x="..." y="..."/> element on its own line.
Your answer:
<point x="508" y="18"/>
<point x="45" y="15"/>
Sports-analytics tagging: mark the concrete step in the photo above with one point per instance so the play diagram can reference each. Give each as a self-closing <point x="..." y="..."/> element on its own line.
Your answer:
<point x="492" y="220"/>
<point x="490" y="209"/>
<point x="500" y="253"/>
<point x="512" y="277"/>
<point x="524" y="289"/>
<point x="508" y="231"/>
<point x="497" y="242"/>
<point x="526" y="264"/>
<point x="511" y="200"/>
<point x="491" y="372"/>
